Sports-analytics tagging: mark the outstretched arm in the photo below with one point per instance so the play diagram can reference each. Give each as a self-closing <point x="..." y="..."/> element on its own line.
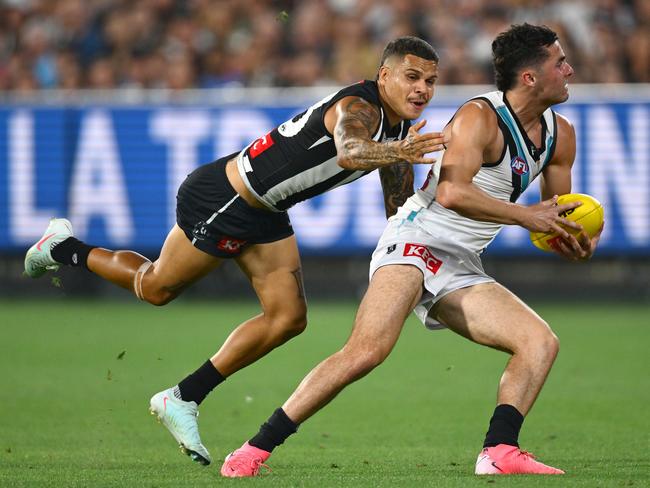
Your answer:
<point x="353" y="121"/>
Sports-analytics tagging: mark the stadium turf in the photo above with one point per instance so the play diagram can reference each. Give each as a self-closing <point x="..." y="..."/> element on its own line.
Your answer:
<point x="77" y="377"/>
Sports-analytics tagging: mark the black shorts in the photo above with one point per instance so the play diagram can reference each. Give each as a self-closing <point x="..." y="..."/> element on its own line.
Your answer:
<point x="217" y="220"/>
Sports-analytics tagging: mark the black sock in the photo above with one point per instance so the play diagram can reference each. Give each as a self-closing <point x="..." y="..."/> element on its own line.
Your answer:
<point x="274" y="431"/>
<point x="72" y="252"/>
<point x="196" y="386"/>
<point x="504" y="426"/>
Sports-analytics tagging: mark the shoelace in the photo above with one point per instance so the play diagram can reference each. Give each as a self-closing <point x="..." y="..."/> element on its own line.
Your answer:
<point x="526" y="454"/>
<point x="54" y="244"/>
<point x="245" y="462"/>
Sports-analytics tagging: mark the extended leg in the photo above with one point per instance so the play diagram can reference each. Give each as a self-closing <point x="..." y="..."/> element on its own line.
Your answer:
<point x="179" y="265"/>
<point x="274" y="271"/>
<point x="490" y="315"/>
<point x="392" y="294"/>
<point x="276" y="276"/>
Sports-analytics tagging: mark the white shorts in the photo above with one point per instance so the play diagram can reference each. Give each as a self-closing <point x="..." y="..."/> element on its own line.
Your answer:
<point x="445" y="265"/>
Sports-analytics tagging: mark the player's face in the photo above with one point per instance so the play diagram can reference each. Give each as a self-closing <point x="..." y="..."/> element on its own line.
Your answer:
<point x="406" y="86"/>
<point x="554" y="75"/>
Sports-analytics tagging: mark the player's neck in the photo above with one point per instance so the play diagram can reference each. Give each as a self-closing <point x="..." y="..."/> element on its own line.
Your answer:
<point x="527" y="109"/>
<point x="391" y="115"/>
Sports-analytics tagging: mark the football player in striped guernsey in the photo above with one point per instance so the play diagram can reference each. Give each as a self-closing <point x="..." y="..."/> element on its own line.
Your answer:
<point x="236" y="208"/>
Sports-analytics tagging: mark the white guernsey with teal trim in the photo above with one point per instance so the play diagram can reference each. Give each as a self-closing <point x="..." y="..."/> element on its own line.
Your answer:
<point x="505" y="179"/>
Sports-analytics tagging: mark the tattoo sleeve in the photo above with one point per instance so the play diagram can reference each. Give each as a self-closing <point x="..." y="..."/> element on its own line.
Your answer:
<point x="353" y="137"/>
<point x="397" y="184"/>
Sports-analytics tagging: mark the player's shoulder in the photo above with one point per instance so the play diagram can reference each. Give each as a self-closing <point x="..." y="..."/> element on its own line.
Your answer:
<point x="474" y="123"/>
<point x="477" y="107"/>
<point x="359" y="99"/>
<point x="365" y="89"/>
<point x="476" y="113"/>
<point x="363" y="95"/>
<point x="564" y="125"/>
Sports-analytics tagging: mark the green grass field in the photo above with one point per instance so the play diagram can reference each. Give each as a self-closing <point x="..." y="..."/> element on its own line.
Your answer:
<point x="77" y="377"/>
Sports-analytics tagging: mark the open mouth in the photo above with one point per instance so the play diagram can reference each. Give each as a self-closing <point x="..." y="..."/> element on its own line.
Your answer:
<point x="419" y="104"/>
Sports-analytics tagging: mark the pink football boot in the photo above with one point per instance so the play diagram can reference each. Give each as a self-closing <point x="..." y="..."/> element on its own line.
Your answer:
<point x="245" y="462"/>
<point x="505" y="459"/>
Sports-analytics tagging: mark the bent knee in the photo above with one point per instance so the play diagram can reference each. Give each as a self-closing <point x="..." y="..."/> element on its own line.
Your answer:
<point x="544" y="345"/>
<point x="147" y="286"/>
<point x="288" y="319"/>
<point x="551" y="344"/>
<point x="363" y="360"/>
<point x="290" y="325"/>
<point x="159" y="297"/>
<point x="369" y="360"/>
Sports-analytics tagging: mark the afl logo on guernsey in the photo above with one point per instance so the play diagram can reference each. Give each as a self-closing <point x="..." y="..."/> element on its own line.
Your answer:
<point x="519" y="166"/>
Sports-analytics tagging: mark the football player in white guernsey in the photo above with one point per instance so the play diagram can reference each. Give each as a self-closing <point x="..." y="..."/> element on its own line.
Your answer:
<point x="428" y="257"/>
<point x="228" y="210"/>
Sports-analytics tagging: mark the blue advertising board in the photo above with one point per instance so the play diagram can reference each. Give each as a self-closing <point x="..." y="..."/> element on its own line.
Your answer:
<point x="114" y="170"/>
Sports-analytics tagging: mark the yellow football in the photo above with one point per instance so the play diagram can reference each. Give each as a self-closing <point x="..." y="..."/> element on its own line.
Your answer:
<point x="590" y="215"/>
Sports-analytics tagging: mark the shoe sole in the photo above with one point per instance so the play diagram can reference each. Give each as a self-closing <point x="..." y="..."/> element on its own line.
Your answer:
<point x="193" y="455"/>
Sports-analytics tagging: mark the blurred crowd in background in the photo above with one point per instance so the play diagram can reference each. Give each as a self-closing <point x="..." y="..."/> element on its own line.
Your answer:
<point x="180" y="44"/>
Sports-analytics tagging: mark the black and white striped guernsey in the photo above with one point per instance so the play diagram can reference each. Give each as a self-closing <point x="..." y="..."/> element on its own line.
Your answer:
<point x="297" y="160"/>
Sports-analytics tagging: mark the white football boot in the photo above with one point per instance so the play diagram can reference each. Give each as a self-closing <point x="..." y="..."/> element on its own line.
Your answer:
<point x="180" y="418"/>
<point x="38" y="259"/>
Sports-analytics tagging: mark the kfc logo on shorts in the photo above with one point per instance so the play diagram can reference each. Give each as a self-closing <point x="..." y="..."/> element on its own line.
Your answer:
<point x="431" y="262"/>
<point x="261" y="145"/>
<point x="519" y="166"/>
<point x="230" y="245"/>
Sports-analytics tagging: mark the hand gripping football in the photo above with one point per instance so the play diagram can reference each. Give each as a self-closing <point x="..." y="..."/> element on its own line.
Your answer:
<point x="590" y="215"/>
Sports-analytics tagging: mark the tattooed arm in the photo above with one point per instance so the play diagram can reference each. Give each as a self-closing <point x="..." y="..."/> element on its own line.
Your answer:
<point x="397" y="184"/>
<point x="354" y="120"/>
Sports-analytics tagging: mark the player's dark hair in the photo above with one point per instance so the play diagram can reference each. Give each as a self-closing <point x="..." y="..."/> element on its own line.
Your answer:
<point x="520" y="46"/>
<point x="409" y="45"/>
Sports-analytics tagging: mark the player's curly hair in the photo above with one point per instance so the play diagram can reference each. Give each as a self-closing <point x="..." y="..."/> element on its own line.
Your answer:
<point x="409" y="45"/>
<point x="520" y="46"/>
